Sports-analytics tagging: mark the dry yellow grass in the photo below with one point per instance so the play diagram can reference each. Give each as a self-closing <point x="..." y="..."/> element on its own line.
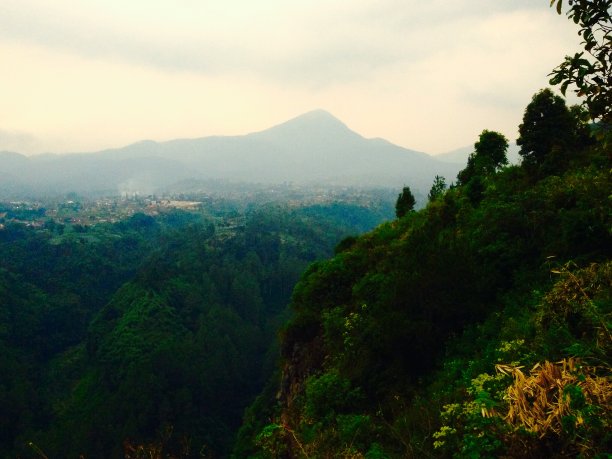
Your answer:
<point x="539" y="401"/>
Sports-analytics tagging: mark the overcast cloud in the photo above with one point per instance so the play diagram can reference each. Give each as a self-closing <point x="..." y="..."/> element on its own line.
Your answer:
<point x="428" y="75"/>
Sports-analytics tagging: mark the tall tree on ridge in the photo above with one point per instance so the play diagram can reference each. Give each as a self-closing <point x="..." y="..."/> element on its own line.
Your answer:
<point x="405" y="202"/>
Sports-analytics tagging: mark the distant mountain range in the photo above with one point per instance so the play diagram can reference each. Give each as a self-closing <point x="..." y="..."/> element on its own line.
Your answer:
<point x="312" y="149"/>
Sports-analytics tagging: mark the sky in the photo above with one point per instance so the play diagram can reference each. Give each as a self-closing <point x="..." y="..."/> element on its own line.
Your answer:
<point x="85" y="75"/>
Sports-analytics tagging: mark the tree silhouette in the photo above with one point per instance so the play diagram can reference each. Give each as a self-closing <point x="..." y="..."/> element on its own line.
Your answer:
<point x="405" y="202"/>
<point x="547" y="126"/>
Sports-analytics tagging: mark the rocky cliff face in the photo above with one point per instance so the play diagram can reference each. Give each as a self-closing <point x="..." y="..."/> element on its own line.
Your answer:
<point x="305" y="359"/>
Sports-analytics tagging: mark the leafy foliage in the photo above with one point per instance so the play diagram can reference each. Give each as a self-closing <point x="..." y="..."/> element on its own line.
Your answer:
<point x="489" y="156"/>
<point x="547" y="132"/>
<point x="590" y="70"/>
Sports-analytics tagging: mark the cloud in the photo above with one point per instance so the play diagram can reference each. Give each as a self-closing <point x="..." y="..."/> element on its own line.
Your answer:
<point x="111" y="71"/>
<point x="304" y="46"/>
<point x="313" y="43"/>
<point x="86" y="34"/>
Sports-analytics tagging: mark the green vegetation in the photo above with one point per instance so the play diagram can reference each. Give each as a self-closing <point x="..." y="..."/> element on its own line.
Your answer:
<point x="405" y="202"/>
<point x="488" y="157"/>
<point x="437" y="189"/>
<point x="151" y="332"/>
<point x="550" y="133"/>
<point x="475" y="327"/>
<point x="590" y="70"/>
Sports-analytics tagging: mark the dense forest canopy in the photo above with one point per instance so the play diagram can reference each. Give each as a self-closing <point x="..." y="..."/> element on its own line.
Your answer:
<point x="115" y="335"/>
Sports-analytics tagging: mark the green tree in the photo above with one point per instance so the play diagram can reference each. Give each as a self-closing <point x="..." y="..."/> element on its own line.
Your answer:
<point x="488" y="157"/>
<point x="405" y="202"/>
<point x="437" y="189"/>
<point x="491" y="151"/>
<point x="590" y="71"/>
<point x="548" y="126"/>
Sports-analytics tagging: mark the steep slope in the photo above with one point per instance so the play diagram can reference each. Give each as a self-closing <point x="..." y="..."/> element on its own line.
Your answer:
<point x="407" y="342"/>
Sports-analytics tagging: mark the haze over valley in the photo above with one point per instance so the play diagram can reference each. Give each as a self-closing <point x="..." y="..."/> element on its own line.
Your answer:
<point x="312" y="149"/>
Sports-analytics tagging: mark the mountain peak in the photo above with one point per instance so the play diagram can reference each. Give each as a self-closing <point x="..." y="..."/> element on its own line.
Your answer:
<point x="318" y="114"/>
<point x="317" y="117"/>
<point x="315" y="122"/>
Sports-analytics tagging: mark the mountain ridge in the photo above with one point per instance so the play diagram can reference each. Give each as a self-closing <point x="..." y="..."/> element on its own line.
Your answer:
<point x="314" y="148"/>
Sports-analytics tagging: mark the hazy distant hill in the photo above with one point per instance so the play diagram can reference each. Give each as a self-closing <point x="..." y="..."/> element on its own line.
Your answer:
<point x="314" y="148"/>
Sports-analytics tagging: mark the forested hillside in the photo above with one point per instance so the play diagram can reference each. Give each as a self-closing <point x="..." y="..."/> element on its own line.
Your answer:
<point x="476" y="327"/>
<point x="116" y="336"/>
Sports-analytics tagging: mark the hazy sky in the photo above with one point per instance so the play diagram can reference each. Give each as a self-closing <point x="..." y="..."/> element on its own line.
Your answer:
<point x="429" y="75"/>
